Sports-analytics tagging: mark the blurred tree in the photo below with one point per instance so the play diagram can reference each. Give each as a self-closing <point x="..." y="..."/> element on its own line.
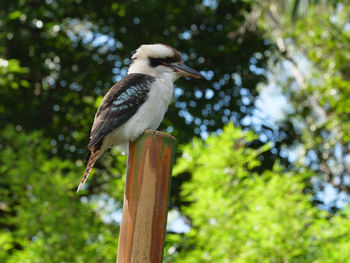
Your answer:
<point x="57" y="59"/>
<point x="238" y="215"/>
<point x="41" y="219"/>
<point x="75" y="50"/>
<point x="315" y="78"/>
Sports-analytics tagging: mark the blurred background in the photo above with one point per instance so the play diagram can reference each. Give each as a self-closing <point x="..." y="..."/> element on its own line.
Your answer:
<point x="262" y="172"/>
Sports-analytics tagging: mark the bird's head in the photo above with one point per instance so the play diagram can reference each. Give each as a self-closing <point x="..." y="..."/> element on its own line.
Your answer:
<point x="159" y="60"/>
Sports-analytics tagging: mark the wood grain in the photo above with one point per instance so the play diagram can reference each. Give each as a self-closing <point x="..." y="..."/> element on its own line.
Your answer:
<point x="147" y="188"/>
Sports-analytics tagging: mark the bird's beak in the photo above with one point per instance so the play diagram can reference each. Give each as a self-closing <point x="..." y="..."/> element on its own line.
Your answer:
<point x="186" y="71"/>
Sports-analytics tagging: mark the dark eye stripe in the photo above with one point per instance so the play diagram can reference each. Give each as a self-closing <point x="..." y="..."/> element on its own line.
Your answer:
<point x="154" y="62"/>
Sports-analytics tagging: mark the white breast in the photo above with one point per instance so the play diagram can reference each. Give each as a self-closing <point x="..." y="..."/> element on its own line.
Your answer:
<point x="148" y="116"/>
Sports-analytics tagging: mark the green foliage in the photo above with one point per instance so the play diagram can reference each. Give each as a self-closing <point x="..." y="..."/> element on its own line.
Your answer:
<point x="239" y="215"/>
<point x="319" y="46"/>
<point x="10" y="70"/>
<point x="41" y="217"/>
<point x="57" y="59"/>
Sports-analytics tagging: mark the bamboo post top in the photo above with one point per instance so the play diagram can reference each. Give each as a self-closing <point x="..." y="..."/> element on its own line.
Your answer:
<point x="159" y="133"/>
<point x="146" y="196"/>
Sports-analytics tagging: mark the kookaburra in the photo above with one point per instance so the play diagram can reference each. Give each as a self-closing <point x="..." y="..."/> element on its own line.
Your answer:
<point x="137" y="102"/>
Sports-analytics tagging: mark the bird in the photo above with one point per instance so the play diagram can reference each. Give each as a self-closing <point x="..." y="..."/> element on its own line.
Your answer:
<point x="138" y="101"/>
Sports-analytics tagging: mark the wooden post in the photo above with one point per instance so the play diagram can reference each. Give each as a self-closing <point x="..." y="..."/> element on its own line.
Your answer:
<point x="146" y="196"/>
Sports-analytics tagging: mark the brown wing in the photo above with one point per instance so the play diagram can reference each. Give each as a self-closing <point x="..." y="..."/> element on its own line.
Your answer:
<point x="119" y="104"/>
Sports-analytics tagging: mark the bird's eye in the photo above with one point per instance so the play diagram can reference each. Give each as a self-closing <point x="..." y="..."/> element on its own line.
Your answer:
<point x="154" y="62"/>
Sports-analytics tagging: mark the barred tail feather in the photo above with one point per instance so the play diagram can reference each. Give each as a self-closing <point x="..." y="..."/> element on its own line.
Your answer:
<point x="90" y="164"/>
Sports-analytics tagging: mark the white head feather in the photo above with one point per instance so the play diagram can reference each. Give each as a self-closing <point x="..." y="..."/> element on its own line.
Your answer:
<point x="154" y="51"/>
<point x="141" y="64"/>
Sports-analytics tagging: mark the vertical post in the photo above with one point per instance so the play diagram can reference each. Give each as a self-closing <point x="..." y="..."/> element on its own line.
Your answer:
<point x="146" y="195"/>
